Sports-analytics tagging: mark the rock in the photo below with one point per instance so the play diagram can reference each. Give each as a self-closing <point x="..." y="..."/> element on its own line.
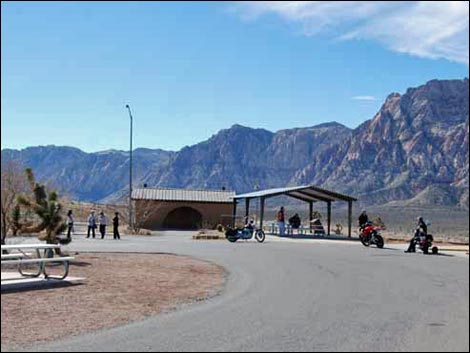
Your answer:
<point x="416" y="145"/>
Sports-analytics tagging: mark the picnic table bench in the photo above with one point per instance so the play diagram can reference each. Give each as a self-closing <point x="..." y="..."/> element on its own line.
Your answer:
<point x="40" y="254"/>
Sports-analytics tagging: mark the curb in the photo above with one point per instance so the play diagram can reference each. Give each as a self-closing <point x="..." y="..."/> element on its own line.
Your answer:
<point x="207" y="237"/>
<point x="448" y="249"/>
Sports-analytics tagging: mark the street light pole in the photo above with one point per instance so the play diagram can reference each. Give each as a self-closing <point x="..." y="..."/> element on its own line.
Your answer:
<point x="130" y="170"/>
<point x="256" y="188"/>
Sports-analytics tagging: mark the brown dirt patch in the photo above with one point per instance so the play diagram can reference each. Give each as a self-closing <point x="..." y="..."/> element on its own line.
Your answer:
<point x="119" y="288"/>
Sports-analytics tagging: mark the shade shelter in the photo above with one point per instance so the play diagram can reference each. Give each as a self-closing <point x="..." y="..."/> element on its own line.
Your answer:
<point x="306" y="193"/>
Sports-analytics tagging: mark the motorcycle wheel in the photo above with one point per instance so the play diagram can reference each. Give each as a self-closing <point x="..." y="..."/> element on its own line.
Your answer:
<point x="379" y="241"/>
<point x="260" y="236"/>
<point x="232" y="239"/>
<point x="434" y="250"/>
<point x="231" y="235"/>
<point x="364" y="241"/>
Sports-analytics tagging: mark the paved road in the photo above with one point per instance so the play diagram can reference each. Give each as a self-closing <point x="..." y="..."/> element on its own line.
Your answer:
<point x="301" y="296"/>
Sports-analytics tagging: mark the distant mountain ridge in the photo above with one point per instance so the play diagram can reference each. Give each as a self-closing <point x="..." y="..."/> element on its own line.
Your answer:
<point x="416" y="140"/>
<point x="415" y="149"/>
<point x="86" y="176"/>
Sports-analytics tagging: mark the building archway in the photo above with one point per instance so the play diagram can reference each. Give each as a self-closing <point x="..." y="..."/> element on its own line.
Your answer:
<point x="183" y="218"/>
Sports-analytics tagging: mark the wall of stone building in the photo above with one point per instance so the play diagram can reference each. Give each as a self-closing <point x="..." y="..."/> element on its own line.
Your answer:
<point x="152" y="214"/>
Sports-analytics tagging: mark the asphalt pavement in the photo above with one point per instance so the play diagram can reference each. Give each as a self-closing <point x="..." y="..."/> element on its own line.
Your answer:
<point x="299" y="296"/>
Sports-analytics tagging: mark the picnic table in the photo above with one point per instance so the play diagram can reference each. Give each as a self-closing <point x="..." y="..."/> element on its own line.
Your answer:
<point x="37" y="254"/>
<point x="301" y="230"/>
<point x="274" y="229"/>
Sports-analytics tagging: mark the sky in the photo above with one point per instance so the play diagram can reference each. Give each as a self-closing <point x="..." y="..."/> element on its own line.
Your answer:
<point x="190" y="69"/>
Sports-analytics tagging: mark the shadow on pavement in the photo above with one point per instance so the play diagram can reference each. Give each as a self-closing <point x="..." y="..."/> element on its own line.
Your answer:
<point x="35" y="286"/>
<point x="301" y="236"/>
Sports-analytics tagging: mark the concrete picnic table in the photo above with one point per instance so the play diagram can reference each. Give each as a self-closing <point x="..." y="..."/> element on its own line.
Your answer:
<point x="18" y="255"/>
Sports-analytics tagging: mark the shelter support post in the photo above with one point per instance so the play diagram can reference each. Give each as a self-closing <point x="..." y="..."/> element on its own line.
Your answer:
<point x="349" y="218"/>
<point x="261" y="217"/>
<point x="310" y="215"/>
<point x="247" y="208"/>
<point x="329" y="217"/>
<point x="234" y="213"/>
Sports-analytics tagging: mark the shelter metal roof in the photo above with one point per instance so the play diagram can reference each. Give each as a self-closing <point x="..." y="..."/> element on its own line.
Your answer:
<point x="164" y="194"/>
<point x="308" y="193"/>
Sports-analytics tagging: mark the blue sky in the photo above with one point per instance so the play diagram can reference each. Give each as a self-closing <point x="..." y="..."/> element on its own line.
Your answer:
<point x="191" y="69"/>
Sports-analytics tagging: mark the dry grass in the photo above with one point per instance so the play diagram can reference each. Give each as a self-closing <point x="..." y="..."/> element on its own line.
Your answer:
<point x="119" y="288"/>
<point x="81" y="210"/>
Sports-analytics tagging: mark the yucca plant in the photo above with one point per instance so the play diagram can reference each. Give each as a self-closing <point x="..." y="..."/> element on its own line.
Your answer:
<point x="46" y="206"/>
<point x="16" y="220"/>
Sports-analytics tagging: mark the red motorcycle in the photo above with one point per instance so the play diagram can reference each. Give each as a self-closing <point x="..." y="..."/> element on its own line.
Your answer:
<point x="370" y="234"/>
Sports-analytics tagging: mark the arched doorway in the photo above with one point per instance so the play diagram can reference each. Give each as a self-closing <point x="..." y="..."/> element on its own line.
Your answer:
<point x="183" y="218"/>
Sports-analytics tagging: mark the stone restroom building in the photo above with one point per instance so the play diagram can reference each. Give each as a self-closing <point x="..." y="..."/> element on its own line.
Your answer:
<point x="162" y="208"/>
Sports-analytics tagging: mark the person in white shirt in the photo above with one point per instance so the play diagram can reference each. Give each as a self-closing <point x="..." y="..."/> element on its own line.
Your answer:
<point x="69" y="224"/>
<point x="103" y="223"/>
<point x="91" y="224"/>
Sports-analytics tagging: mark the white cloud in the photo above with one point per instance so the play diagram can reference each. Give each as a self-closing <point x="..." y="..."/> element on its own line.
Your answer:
<point x="429" y="29"/>
<point x="364" y="98"/>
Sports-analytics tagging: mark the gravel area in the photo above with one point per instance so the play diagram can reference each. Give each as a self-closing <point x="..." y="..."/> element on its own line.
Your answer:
<point x="119" y="288"/>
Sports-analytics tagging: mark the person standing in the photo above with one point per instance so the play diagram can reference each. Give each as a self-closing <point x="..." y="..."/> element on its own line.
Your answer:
<point x="69" y="224"/>
<point x="103" y="223"/>
<point x="91" y="224"/>
<point x="116" y="226"/>
<point x="281" y="222"/>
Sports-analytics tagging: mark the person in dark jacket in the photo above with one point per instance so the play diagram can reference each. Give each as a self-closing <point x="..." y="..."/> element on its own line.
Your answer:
<point x="116" y="226"/>
<point x="363" y="219"/>
<point x="421" y="231"/>
<point x="295" y="221"/>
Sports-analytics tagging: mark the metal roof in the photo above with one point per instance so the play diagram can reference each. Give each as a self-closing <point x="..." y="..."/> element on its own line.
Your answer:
<point x="306" y="193"/>
<point x="164" y="194"/>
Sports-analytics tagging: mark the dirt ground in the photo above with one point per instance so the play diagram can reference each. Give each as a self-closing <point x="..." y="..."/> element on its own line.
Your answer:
<point x="119" y="288"/>
<point x="397" y="238"/>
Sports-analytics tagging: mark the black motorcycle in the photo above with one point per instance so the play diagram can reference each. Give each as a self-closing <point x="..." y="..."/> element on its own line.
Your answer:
<point x="245" y="233"/>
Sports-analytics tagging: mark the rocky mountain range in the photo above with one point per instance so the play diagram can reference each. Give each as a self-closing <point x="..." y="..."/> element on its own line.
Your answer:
<point x="416" y="147"/>
<point x="86" y="176"/>
<point x="414" y="150"/>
